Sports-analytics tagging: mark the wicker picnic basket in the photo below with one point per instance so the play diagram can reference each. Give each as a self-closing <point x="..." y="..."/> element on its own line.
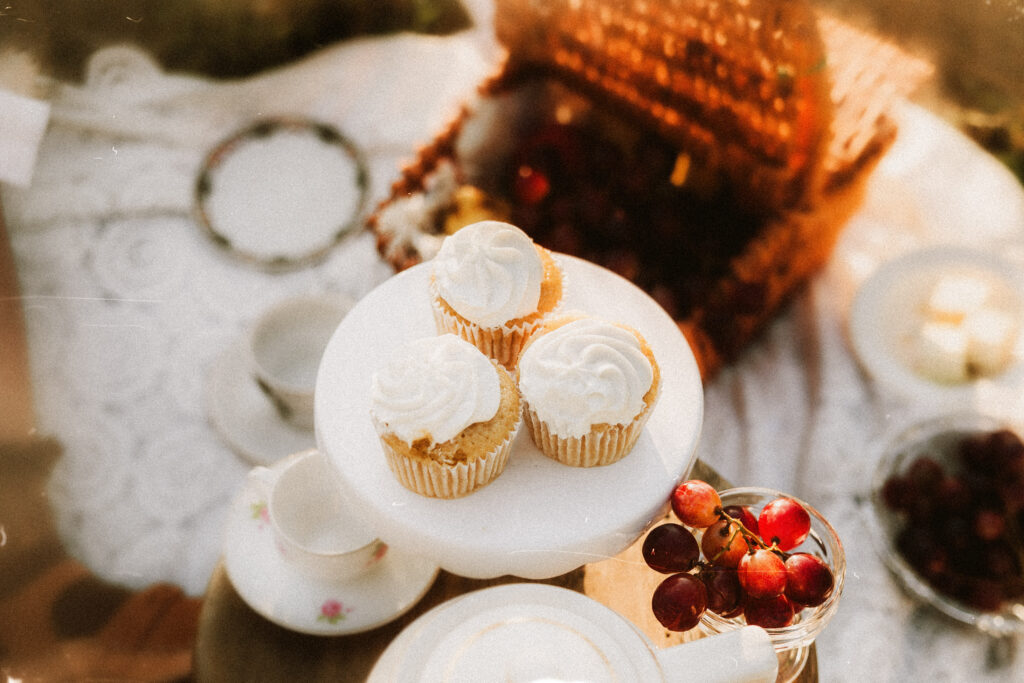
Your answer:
<point x="708" y="150"/>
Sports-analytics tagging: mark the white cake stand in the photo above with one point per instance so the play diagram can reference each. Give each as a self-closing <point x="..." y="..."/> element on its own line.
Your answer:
<point x="540" y="518"/>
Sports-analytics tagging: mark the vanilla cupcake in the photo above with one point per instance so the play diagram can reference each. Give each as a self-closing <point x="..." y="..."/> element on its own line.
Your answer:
<point x="588" y="387"/>
<point x="446" y="416"/>
<point x="491" y="285"/>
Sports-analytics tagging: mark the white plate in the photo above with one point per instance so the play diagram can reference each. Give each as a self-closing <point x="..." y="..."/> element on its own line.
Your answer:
<point x="483" y="636"/>
<point x="292" y="600"/>
<point x="540" y="518"/>
<point x="536" y="632"/>
<point x="886" y="317"/>
<point x="245" y="417"/>
<point x="282" y="192"/>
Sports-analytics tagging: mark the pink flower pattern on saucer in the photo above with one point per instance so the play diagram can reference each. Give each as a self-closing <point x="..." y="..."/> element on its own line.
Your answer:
<point x="333" y="611"/>
<point x="379" y="552"/>
<point x="281" y="593"/>
<point x="259" y="512"/>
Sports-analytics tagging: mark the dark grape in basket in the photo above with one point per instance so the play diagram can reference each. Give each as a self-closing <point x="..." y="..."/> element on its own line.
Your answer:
<point x="960" y="509"/>
<point x="613" y="196"/>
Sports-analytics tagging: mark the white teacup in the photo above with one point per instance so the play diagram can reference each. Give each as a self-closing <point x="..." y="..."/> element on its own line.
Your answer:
<point x="285" y="346"/>
<point x="313" y="528"/>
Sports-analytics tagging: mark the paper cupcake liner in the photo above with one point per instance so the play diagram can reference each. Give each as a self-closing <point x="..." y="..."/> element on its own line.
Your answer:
<point x="590" y="450"/>
<point x="440" y="480"/>
<point x="504" y="343"/>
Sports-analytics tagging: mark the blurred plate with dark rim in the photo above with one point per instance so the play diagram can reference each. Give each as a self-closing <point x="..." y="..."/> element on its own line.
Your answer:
<point x="282" y="192"/>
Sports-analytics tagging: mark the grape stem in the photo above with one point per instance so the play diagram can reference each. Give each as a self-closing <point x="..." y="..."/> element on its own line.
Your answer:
<point x="748" y="535"/>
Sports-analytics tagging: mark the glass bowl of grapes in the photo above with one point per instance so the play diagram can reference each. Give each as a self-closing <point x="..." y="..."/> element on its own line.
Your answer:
<point x="747" y="556"/>
<point x="947" y="501"/>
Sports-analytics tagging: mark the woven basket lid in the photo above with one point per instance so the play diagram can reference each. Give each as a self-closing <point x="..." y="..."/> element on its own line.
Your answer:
<point x="739" y="85"/>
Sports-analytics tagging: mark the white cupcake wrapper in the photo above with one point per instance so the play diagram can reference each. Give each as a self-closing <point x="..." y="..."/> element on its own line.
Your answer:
<point x="438" y="480"/>
<point x="590" y="450"/>
<point x="503" y="344"/>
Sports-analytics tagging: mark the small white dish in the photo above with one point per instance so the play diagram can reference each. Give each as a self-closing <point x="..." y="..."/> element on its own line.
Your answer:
<point x="887" y="311"/>
<point x="243" y="414"/>
<point x="539" y="518"/>
<point x="284" y="594"/>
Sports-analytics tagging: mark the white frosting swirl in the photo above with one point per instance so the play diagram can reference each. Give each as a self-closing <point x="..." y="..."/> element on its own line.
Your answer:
<point x="433" y="388"/>
<point x="489" y="272"/>
<point x="583" y="373"/>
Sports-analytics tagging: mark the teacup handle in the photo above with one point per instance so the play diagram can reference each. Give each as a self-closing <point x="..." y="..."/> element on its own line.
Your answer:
<point x="745" y="655"/>
<point x="261" y="480"/>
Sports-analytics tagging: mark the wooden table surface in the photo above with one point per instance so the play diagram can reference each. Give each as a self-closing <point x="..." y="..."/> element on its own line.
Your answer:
<point x="236" y="643"/>
<point x="58" y="622"/>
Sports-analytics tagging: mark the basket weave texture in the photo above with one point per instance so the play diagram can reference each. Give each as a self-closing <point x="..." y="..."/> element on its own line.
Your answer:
<point x="740" y="84"/>
<point x="787" y="108"/>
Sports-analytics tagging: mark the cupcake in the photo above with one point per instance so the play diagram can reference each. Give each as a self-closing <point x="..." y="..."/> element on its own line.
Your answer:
<point x="588" y="387"/>
<point x="446" y="416"/>
<point x="491" y="285"/>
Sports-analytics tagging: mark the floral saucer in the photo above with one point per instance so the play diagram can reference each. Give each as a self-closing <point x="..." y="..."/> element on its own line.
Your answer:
<point x="245" y="417"/>
<point x="282" y="594"/>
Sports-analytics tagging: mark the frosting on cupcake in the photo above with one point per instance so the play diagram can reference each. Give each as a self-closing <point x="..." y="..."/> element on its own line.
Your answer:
<point x="433" y="388"/>
<point x="584" y="373"/>
<point x="489" y="273"/>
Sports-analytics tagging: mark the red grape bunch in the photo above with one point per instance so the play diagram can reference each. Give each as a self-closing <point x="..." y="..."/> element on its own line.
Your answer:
<point x="742" y="564"/>
<point x="958" y="510"/>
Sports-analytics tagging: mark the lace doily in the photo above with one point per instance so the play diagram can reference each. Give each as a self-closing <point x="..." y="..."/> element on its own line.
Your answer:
<point x="128" y="304"/>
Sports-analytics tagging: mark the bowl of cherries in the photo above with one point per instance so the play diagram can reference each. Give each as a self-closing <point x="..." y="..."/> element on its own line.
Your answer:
<point x="947" y="504"/>
<point x="747" y="556"/>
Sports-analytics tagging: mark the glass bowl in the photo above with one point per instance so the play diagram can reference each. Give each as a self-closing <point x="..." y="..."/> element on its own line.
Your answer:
<point x="938" y="438"/>
<point x="792" y="643"/>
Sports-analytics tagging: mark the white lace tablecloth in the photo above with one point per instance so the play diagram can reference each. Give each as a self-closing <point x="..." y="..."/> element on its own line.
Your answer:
<point x="128" y="303"/>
